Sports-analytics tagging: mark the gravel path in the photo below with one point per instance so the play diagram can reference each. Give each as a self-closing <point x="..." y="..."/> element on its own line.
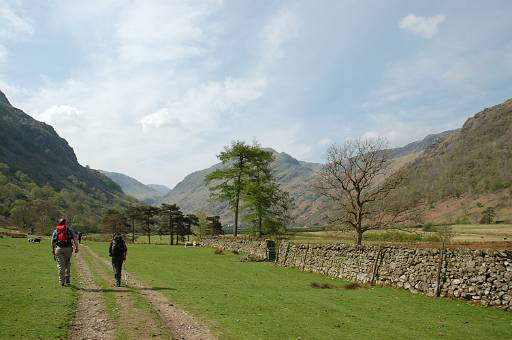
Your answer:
<point x="182" y="325"/>
<point x="91" y="320"/>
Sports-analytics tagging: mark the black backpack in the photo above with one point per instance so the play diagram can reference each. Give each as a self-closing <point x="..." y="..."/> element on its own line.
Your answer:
<point x="118" y="247"/>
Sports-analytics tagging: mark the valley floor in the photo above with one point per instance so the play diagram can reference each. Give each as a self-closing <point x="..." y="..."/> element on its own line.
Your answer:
<point x="222" y="297"/>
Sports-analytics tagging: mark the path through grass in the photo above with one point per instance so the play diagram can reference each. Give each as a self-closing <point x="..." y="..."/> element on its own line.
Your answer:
<point x="260" y="300"/>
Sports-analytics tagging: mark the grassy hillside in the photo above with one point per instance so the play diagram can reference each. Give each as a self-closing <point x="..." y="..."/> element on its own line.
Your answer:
<point x="468" y="171"/>
<point x="41" y="179"/>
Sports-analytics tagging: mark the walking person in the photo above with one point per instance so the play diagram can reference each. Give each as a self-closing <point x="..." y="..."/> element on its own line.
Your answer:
<point x="117" y="251"/>
<point x="63" y="240"/>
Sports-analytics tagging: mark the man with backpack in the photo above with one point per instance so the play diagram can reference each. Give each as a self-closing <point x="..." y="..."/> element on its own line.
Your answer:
<point x="117" y="251"/>
<point x="63" y="240"/>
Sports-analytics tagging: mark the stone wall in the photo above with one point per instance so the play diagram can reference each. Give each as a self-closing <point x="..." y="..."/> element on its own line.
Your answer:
<point x="483" y="276"/>
<point x="257" y="248"/>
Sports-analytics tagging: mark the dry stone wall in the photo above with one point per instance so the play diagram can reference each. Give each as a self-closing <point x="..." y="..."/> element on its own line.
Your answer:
<point x="483" y="276"/>
<point x="257" y="248"/>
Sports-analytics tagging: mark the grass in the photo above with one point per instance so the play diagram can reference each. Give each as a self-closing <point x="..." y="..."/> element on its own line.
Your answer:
<point x="259" y="300"/>
<point x="463" y="233"/>
<point x="483" y="232"/>
<point x="32" y="303"/>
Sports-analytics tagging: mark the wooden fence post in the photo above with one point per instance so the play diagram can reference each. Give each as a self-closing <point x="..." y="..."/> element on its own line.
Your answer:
<point x="439" y="269"/>
<point x="374" y="268"/>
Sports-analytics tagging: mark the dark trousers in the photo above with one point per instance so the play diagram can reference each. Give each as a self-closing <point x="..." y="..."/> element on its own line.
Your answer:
<point x="117" y="265"/>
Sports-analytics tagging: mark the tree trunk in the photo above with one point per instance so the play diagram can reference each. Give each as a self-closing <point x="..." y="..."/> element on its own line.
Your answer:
<point x="236" y="214"/>
<point x="133" y="230"/>
<point x="171" y="230"/>
<point x="149" y="231"/>
<point x="259" y="226"/>
<point x="238" y="195"/>
<point x="359" y="237"/>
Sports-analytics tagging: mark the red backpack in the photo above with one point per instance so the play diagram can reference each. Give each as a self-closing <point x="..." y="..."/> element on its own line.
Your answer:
<point x="63" y="239"/>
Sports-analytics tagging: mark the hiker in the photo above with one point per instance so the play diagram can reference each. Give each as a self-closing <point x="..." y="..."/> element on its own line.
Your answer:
<point x="63" y="240"/>
<point x="117" y="251"/>
<point x="79" y="237"/>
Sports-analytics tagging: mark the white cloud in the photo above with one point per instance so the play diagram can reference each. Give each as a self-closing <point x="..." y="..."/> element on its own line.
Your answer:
<point x="160" y="31"/>
<point x="200" y="108"/>
<point x="425" y="27"/>
<point x="280" y="28"/>
<point x="13" y="24"/>
<point x="64" y="118"/>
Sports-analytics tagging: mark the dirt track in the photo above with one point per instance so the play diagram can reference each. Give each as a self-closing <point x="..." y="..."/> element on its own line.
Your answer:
<point x="91" y="320"/>
<point x="160" y="319"/>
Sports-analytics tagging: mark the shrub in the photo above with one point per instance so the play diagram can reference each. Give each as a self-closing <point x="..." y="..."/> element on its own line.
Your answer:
<point x="218" y="252"/>
<point x="428" y="227"/>
<point x="322" y="285"/>
<point x="354" y="286"/>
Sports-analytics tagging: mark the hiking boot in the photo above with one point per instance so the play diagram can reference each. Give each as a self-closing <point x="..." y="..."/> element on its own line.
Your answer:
<point x="67" y="280"/>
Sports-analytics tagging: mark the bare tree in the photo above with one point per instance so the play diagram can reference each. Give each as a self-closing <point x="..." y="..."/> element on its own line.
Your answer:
<point x="358" y="179"/>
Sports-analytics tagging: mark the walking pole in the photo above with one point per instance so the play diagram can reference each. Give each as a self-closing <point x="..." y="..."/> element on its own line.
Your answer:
<point x="125" y="274"/>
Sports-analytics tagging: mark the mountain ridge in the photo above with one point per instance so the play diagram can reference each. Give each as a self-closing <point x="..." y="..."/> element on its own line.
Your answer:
<point x="41" y="177"/>
<point x="293" y="175"/>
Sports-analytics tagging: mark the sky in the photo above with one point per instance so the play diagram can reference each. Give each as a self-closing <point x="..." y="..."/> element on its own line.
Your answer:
<point x="155" y="89"/>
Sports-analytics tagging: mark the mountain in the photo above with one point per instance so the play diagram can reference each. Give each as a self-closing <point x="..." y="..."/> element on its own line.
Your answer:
<point x="468" y="171"/>
<point x="134" y="188"/>
<point x="296" y="177"/>
<point x="38" y="167"/>
<point x="421" y="145"/>
<point x="162" y="189"/>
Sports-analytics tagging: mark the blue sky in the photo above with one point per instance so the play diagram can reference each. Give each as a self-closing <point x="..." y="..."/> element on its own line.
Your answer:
<point x="155" y="89"/>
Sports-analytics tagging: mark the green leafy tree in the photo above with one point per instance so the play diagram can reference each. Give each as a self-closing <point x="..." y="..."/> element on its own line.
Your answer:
<point x="47" y="213"/>
<point x="488" y="215"/>
<point x="134" y="214"/>
<point x="24" y="215"/>
<point x="148" y="214"/>
<point x="115" y="221"/>
<point x="214" y="225"/>
<point x="172" y="215"/>
<point x="267" y="205"/>
<point x="189" y="222"/>
<point x="228" y="182"/>
<point x="201" y="228"/>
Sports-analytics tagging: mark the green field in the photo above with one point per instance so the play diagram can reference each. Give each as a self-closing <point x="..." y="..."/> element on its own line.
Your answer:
<point x="237" y="300"/>
<point x="463" y="233"/>
<point x="32" y="303"/>
<point x="260" y="300"/>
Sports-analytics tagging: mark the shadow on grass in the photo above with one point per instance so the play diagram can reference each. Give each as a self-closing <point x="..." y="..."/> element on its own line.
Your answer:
<point x="154" y="288"/>
<point x="117" y="290"/>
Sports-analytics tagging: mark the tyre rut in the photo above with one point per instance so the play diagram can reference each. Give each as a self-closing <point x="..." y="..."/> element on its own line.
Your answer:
<point x="182" y="325"/>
